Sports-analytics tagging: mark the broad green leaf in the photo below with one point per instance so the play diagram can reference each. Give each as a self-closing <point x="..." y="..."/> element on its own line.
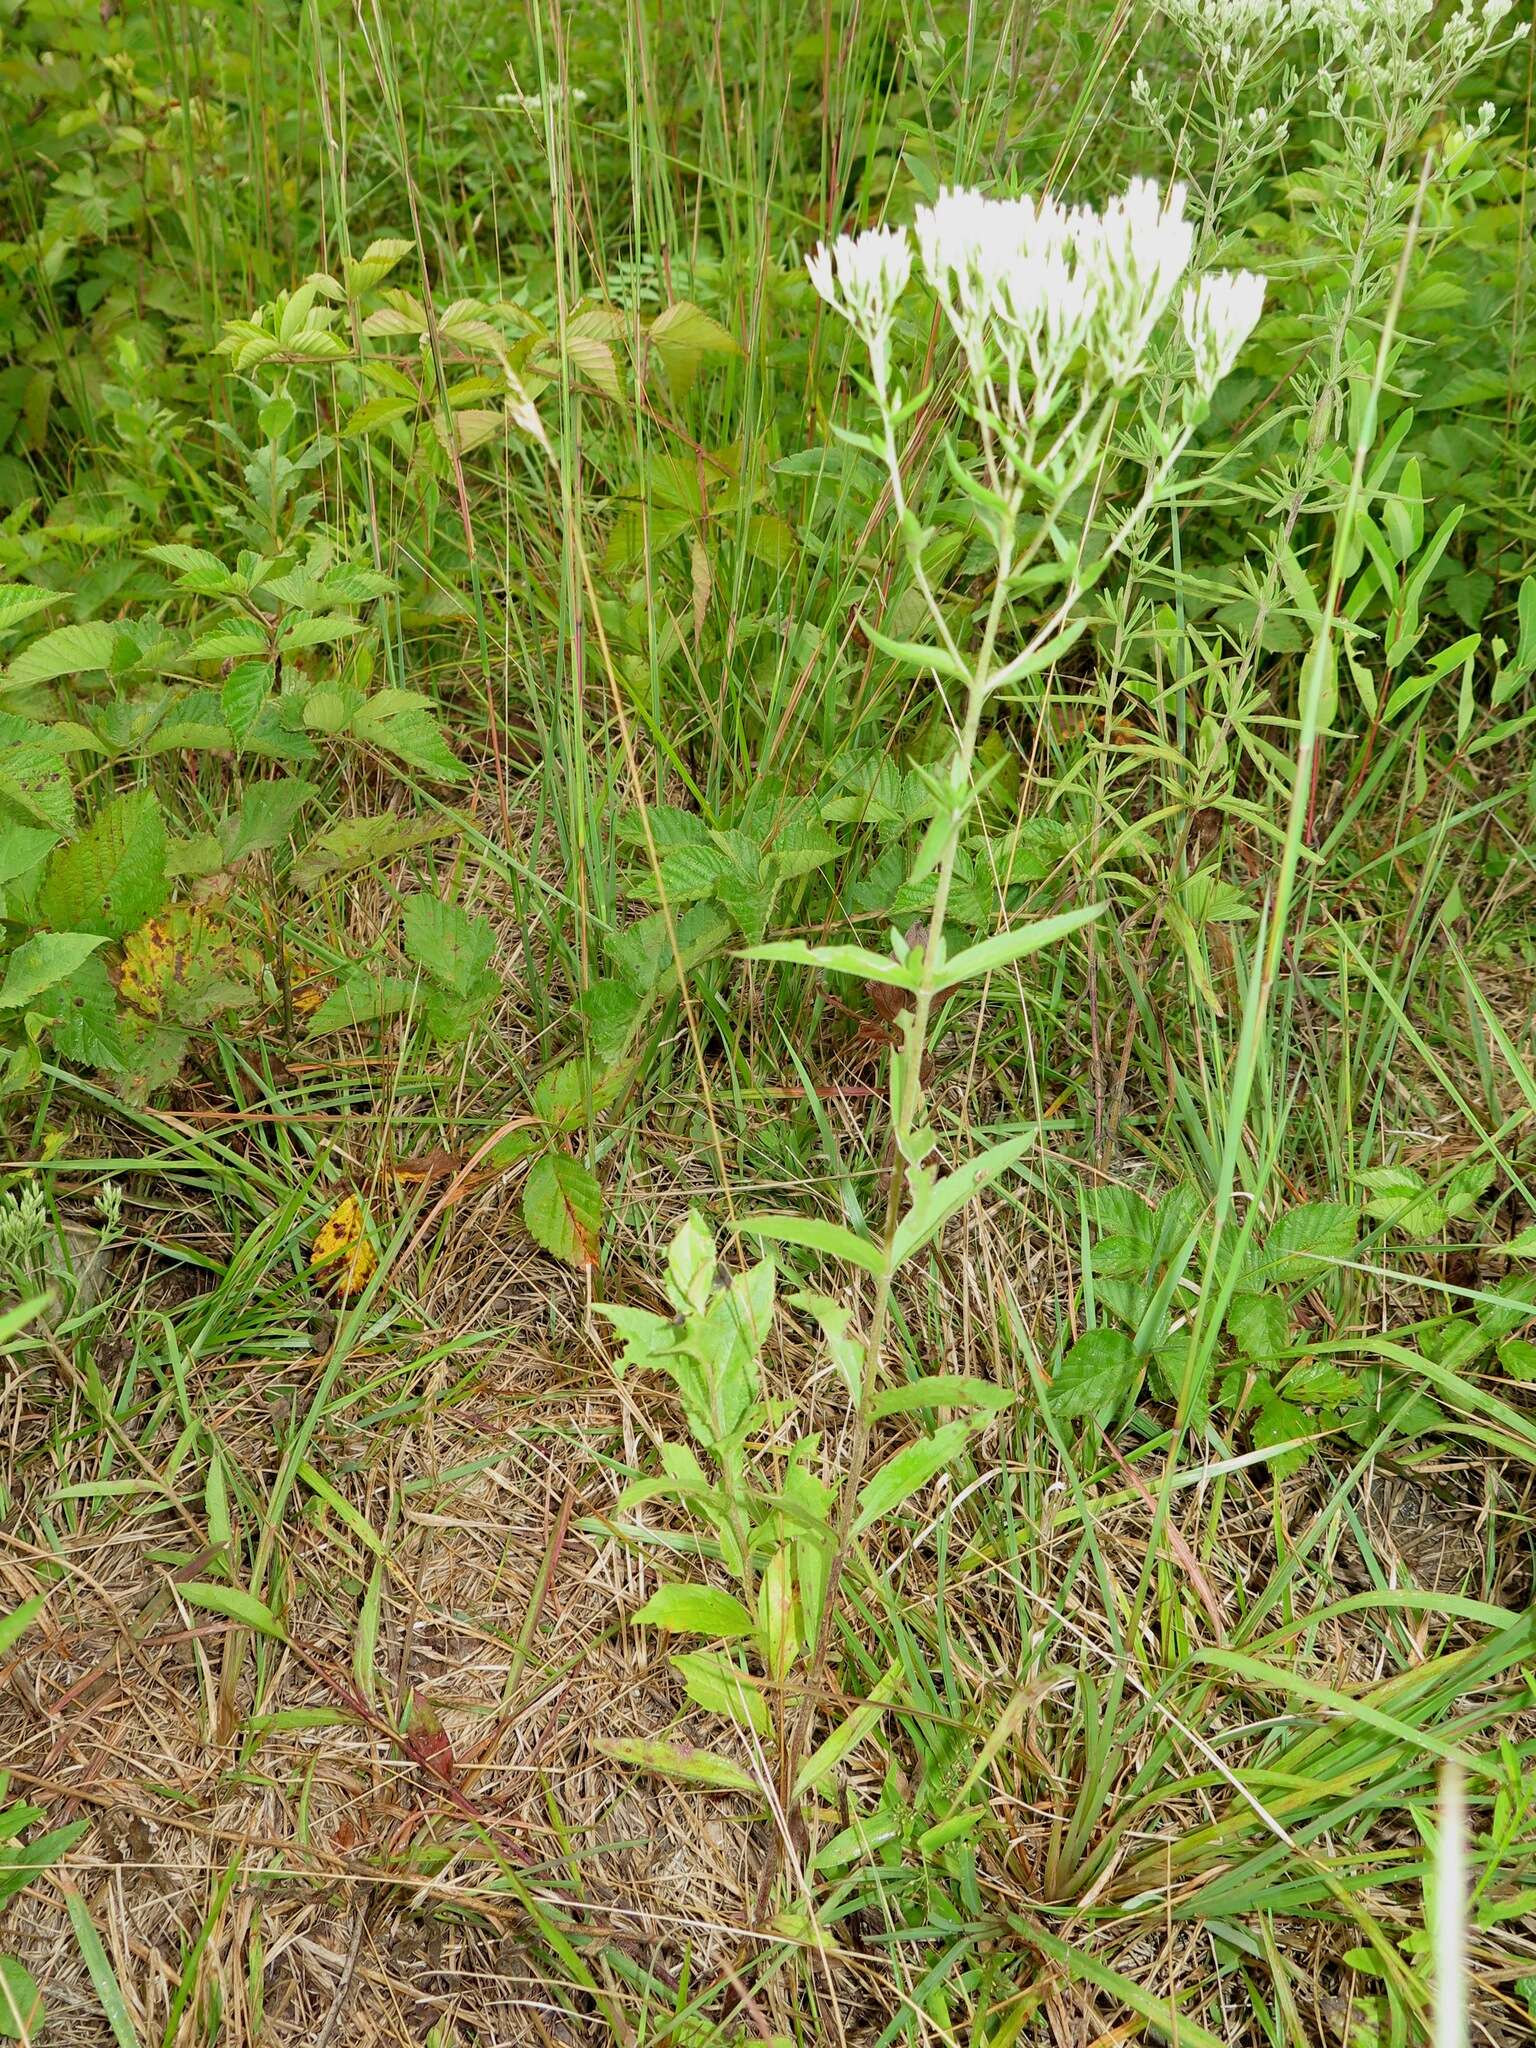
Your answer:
<point x="682" y="336"/>
<point x="1097" y="1377"/>
<point x="235" y="640"/>
<point x="195" y="567"/>
<point x="1467" y="1186"/>
<point x="234" y="1605"/>
<point x="22" y="847"/>
<point x="267" y="815"/>
<point x="367" y="272"/>
<point x="362" y="996"/>
<point x="690" y="872"/>
<point x="563" y="1208"/>
<point x="818" y="1235"/>
<point x="400" y="722"/>
<point x="245" y="690"/>
<point x="21" y="2003"/>
<point x="678" y="1760"/>
<point x="317" y="632"/>
<point x="718" y="1685"/>
<point x="1517" y="1358"/>
<point x="1006" y="947"/>
<point x="1277" y="1422"/>
<point x="366" y="842"/>
<point x="67" y="651"/>
<point x="34" y="776"/>
<point x="111" y="879"/>
<point x="911" y="1468"/>
<point x="37" y="964"/>
<point x="933" y="1202"/>
<point x="695" y="1610"/>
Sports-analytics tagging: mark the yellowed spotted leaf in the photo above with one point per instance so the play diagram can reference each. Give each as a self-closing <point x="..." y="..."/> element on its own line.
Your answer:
<point x="150" y="959"/>
<point x="342" y="1255"/>
<point x="177" y="964"/>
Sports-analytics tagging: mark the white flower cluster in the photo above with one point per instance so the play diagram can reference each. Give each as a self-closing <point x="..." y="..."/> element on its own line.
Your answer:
<point x="862" y="277"/>
<point x="1034" y="283"/>
<point x="1226" y="24"/>
<point x="536" y="102"/>
<point x="1371" y="38"/>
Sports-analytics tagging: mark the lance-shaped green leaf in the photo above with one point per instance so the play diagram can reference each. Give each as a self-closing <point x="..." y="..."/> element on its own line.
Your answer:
<point x="912" y="1467"/>
<point x="843" y="960"/>
<point x="1005" y="947"/>
<point x="678" y="1760"/>
<point x="917" y="657"/>
<point x="933" y="1202"/>
<point x="818" y="1235"/>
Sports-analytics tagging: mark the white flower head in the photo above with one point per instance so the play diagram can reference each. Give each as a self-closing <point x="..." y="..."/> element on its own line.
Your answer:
<point x="861" y="277"/>
<point x="1218" y="316"/>
<point x="1140" y="248"/>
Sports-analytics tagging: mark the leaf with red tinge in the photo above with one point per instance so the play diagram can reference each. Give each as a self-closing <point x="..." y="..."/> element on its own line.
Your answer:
<point x="426" y="1744"/>
<point x="563" y="1208"/>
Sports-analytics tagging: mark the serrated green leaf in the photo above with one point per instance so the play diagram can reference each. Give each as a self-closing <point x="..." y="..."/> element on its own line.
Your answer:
<point x="1304" y="1241"/>
<point x="563" y="1208"/>
<point x="1097" y="1377"/>
<point x="362" y="996"/>
<point x="1278" y="1421"/>
<point x="401" y="722"/>
<point x="1397" y="1196"/>
<point x="235" y="640"/>
<point x="1260" y="1325"/>
<point x="245" y="690"/>
<point x="110" y="879"/>
<point x="67" y="651"/>
<point x="19" y="601"/>
<point x="446" y="943"/>
<point x="39" y="963"/>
